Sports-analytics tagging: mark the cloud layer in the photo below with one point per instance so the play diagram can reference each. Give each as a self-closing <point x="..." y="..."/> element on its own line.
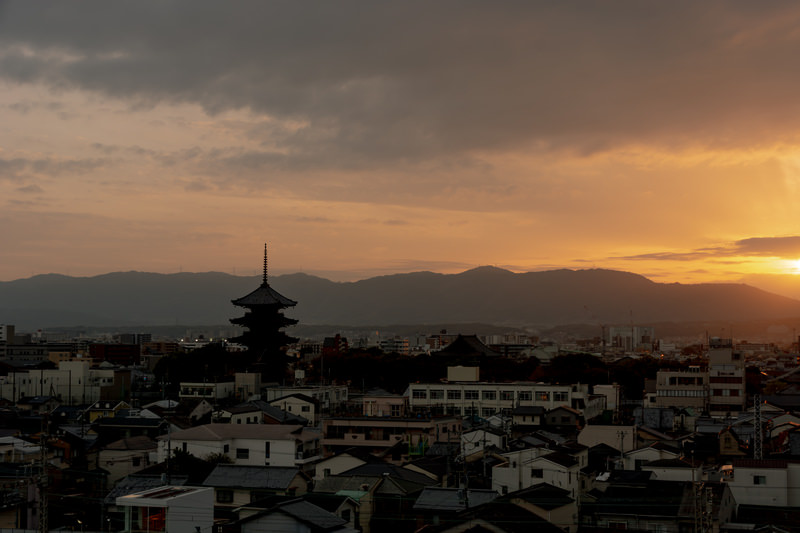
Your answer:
<point x="369" y="137"/>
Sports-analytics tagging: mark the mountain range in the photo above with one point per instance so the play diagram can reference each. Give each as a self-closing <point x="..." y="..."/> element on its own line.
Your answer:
<point x="482" y="295"/>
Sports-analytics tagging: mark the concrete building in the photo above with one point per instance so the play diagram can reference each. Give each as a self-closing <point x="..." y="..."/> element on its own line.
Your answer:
<point x="726" y="376"/>
<point x="170" y="509"/>
<point x="73" y="382"/>
<point x="480" y="398"/>
<point x="683" y="388"/>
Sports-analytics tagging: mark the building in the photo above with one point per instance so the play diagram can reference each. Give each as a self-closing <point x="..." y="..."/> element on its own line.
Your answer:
<point x="264" y="322"/>
<point x="414" y="435"/>
<point x="685" y="388"/>
<point x="169" y="509"/>
<point x="247" y="444"/>
<point x="630" y="338"/>
<point x="726" y="377"/>
<point x="484" y="399"/>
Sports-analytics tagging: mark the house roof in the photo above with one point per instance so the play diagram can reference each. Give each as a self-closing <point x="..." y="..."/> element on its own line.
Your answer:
<point x="252" y="477"/>
<point x="138" y="483"/>
<point x="309" y="513"/>
<point x="264" y="295"/>
<point x="382" y="470"/>
<point x="467" y="345"/>
<point x="141" y="442"/>
<point x="298" y="396"/>
<point x="657" y="498"/>
<point x="216" y="432"/>
<point x="452" y="499"/>
<point x="543" y="495"/>
<point x="341" y="484"/>
<point x="560" y="458"/>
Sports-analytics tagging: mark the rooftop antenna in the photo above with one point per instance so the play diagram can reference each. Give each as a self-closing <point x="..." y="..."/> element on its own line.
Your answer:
<point x="265" y="263"/>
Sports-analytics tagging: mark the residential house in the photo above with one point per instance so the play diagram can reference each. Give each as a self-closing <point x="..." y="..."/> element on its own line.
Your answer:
<point x="236" y="486"/>
<point x="436" y="505"/>
<point x="126" y="456"/>
<point x="551" y="503"/>
<point x="295" y="516"/>
<point x="299" y="405"/>
<point x="248" y="444"/>
<point x="380" y="434"/>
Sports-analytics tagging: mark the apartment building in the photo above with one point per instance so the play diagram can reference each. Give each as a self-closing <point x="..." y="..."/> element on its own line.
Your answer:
<point x="726" y="377"/>
<point x="718" y="389"/>
<point x="470" y="397"/>
<point x="685" y="388"/>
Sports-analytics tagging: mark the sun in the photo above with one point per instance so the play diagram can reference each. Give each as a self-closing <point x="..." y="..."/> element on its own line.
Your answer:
<point x="794" y="266"/>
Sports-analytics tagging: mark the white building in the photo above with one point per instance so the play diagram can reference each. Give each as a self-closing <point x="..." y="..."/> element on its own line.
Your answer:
<point x="484" y="399"/>
<point x="247" y="444"/>
<point x="167" y="508"/>
<point x="73" y="382"/>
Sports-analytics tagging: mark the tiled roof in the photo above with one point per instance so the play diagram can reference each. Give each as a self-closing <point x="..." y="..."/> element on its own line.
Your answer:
<point x="140" y="442"/>
<point x="264" y="295"/>
<point x="251" y="477"/>
<point x="215" y="432"/>
<point x="452" y="499"/>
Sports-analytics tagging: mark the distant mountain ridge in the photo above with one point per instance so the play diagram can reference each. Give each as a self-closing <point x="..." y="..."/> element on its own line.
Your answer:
<point x="482" y="295"/>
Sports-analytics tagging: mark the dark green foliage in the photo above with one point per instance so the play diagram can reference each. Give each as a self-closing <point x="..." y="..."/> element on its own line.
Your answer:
<point x="208" y="363"/>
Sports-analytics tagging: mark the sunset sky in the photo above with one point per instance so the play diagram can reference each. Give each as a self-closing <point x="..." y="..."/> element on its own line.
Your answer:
<point x="368" y="138"/>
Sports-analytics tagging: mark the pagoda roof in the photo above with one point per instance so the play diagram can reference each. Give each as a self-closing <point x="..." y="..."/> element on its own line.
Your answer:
<point x="264" y="295"/>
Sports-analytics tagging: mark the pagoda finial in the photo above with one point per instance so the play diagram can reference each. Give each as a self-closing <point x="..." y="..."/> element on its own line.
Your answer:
<point x="265" y="263"/>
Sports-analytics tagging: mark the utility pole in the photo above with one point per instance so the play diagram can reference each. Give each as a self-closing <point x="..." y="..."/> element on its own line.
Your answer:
<point x="42" y="483"/>
<point x="758" y="441"/>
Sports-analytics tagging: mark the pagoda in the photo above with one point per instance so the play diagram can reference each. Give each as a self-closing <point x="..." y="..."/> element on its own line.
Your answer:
<point x="264" y="322"/>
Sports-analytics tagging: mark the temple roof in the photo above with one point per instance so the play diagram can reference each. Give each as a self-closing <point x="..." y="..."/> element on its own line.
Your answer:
<point x="264" y="295"/>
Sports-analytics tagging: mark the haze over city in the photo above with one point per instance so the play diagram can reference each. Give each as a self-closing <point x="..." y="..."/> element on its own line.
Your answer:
<point x="362" y="139"/>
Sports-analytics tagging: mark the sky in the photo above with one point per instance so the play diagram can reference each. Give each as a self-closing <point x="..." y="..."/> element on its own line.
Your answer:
<point x="368" y="138"/>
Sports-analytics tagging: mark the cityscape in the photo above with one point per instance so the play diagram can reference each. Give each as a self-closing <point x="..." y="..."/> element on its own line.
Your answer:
<point x="448" y="431"/>
<point x="399" y="267"/>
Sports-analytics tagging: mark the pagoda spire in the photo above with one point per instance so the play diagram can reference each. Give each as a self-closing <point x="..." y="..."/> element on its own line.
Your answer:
<point x="265" y="264"/>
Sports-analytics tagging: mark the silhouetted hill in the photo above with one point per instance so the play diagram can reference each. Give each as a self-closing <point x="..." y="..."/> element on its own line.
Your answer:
<point x="482" y="295"/>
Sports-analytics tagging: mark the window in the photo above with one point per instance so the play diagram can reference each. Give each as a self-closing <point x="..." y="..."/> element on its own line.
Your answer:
<point x="437" y="394"/>
<point x="507" y="395"/>
<point x="565" y="420"/>
<point x="489" y="395"/>
<point x="419" y="394"/>
<point x="543" y="396"/>
<point x="266" y="450"/>
<point x="346" y="514"/>
<point x="226" y="448"/>
<point x="395" y="410"/>
<point x="224" y="496"/>
<point x="242" y="453"/>
<point x="305" y="408"/>
<point x="185" y="447"/>
<point x="454" y="395"/>
<point x="537" y="473"/>
<point x="136" y="461"/>
<point x="525" y="396"/>
<point x="326" y="472"/>
<point x="470" y="395"/>
<point x="759" y="480"/>
<point x="487" y="411"/>
<point x="560" y="397"/>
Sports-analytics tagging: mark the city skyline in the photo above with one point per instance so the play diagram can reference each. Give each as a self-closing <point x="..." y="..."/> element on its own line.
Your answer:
<point x="363" y="139"/>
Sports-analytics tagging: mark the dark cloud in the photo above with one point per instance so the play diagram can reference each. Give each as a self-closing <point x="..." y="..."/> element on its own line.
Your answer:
<point x="315" y="220"/>
<point x="15" y="169"/>
<point x="785" y="247"/>
<point x="387" y="81"/>
<point x="30" y="189"/>
<point x="788" y="247"/>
